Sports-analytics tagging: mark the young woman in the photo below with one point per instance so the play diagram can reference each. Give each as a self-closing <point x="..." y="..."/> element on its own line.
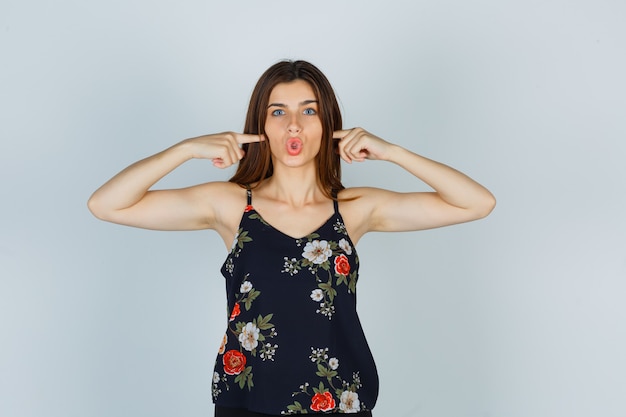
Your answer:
<point x="293" y="342"/>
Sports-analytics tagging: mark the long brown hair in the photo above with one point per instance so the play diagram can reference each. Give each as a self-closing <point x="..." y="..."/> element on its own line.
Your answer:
<point x="256" y="165"/>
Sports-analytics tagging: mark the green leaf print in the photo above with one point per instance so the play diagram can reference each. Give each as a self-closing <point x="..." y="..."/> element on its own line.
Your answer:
<point x="239" y="327"/>
<point x="245" y="378"/>
<point x="255" y="216"/>
<point x="320" y="389"/>
<point x="242" y="237"/>
<point x="264" y="323"/>
<point x="341" y="279"/>
<point x="328" y="288"/>
<point x="296" y="407"/>
<point x="252" y="295"/>
<point x="325" y="372"/>
<point x="352" y="284"/>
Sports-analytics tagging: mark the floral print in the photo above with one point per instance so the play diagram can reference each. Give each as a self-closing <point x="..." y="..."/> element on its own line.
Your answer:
<point x="223" y="345"/>
<point x="316" y="257"/>
<point x="249" y="337"/>
<point x="234" y="362"/>
<point x="322" y="399"/>
<point x="240" y="239"/>
<point x="320" y="272"/>
<point x="236" y="311"/>
<point x="342" y="266"/>
<point x="268" y="351"/>
<point x="317" y="295"/>
<point x="245" y="288"/>
<point x="350" y="402"/>
<point x="340" y="227"/>
<point x="249" y="334"/>
<point x="291" y="266"/>
<point x="317" y="251"/>
<point x="345" y="246"/>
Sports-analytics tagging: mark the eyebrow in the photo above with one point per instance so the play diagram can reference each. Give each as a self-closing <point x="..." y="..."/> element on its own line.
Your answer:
<point x="304" y="103"/>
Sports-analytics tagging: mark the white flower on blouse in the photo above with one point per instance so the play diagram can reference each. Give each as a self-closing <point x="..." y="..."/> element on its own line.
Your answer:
<point x="317" y="251"/>
<point x="216" y="377"/>
<point x="350" y="402"/>
<point x="246" y="286"/>
<point x="249" y="336"/>
<point x="318" y="354"/>
<point x="317" y="295"/>
<point x="333" y="363"/>
<point x="345" y="246"/>
<point x="268" y="352"/>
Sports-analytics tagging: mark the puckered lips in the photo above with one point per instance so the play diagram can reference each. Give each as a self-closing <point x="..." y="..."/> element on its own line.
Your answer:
<point x="294" y="146"/>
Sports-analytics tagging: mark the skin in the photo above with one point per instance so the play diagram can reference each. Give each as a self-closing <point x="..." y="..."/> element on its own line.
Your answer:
<point x="290" y="200"/>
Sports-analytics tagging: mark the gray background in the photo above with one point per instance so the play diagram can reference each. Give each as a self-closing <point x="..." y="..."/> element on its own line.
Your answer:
<point x="520" y="314"/>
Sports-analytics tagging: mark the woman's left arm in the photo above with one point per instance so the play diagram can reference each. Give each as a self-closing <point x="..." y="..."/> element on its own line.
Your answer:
<point x="456" y="197"/>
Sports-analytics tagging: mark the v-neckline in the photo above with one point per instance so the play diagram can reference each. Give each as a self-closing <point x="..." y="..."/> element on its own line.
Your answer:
<point x="262" y="219"/>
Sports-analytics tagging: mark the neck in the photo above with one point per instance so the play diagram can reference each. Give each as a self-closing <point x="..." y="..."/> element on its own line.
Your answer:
<point x="294" y="186"/>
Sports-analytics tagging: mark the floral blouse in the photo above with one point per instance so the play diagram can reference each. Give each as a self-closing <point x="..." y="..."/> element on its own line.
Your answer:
<point x="294" y="343"/>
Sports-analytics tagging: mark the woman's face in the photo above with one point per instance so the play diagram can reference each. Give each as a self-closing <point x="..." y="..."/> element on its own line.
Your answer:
<point x="293" y="126"/>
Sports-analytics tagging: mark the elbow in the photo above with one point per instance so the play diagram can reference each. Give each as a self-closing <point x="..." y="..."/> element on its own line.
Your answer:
<point x="96" y="209"/>
<point x="486" y="206"/>
<point x="92" y="205"/>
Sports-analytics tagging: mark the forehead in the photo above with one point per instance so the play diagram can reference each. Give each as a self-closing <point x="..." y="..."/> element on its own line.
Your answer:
<point x="295" y="91"/>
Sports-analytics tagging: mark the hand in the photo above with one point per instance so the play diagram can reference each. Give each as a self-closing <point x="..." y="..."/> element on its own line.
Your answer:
<point x="224" y="149"/>
<point x="358" y="145"/>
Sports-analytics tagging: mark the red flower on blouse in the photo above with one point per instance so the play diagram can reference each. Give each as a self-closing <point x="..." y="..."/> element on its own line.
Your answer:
<point x="234" y="362"/>
<point x="248" y="208"/>
<point x="235" y="312"/>
<point x="322" y="401"/>
<point x="342" y="266"/>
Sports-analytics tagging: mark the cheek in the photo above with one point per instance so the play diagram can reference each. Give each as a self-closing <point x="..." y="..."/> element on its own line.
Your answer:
<point x="272" y="127"/>
<point x="314" y="128"/>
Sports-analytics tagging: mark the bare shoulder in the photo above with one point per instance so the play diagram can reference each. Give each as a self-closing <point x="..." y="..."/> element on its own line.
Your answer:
<point x="357" y="206"/>
<point x="226" y="190"/>
<point x="354" y="193"/>
<point x="223" y="198"/>
<point x="227" y="202"/>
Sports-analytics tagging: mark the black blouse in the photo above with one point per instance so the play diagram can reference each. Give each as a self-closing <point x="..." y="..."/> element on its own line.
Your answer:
<point x="294" y="342"/>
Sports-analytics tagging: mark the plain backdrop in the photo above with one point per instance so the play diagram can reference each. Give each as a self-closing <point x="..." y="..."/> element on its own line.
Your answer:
<point x="521" y="314"/>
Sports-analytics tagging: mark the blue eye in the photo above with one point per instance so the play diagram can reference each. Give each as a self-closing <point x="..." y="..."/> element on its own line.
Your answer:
<point x="310" y="112"/>
<point x="278" y="112"/>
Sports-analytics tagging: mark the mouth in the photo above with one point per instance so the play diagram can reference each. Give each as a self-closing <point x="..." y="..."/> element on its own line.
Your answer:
<point x="294" y="146"/>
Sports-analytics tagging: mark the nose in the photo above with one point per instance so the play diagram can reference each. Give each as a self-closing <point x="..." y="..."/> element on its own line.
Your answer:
<point x="294" y="125"/>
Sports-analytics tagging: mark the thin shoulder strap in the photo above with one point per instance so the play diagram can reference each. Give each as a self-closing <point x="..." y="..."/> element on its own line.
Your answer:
<point x="335" y="201"/>
<point x="249" y="192"/>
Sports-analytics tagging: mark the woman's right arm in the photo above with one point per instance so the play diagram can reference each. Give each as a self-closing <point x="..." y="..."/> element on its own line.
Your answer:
<point x="127" y="199"/>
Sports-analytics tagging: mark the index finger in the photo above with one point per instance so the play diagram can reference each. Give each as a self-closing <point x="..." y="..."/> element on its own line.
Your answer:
<point x="247" y="138"/>
<point x="340" y="134"/>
